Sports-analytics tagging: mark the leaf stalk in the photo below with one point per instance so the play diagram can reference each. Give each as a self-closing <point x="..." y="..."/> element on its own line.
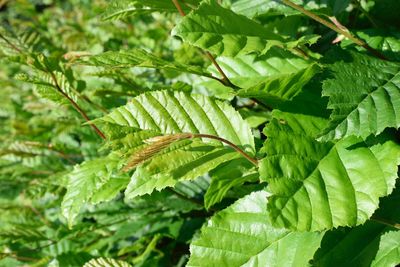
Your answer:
<point x="76" y="106"/>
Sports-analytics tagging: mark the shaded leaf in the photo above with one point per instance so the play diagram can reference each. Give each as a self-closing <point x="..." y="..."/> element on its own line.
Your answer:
<point x="278" y="89"/>
<point x="226" y="176"/>
<point x="361" y="245"/>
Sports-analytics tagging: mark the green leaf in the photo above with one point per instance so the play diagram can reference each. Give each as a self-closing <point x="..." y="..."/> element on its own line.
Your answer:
<point x="110" y="189"/>
<point x="223" y="32"/>
<point x="83" y="182"/>
<point x="226" y="176"/>
<point x="249" y="70"/>
<point x="242" y="235"/>
<point x="176" y="112"/>
<point x="364" y="95"/>
<point x="387" y="41"/>
<point x="106" y="262"/>
<point x="348" y="247"/>
<point x="168" y="112"/>
<point x="255" y="8"/>
<point x="389" y="250"/>
<point x="140" y="58"/>
<point x="277" y="89"/>
<point x="119" y="9"/>
<point x="47" y="86"/>
<point x="317" y="186"/>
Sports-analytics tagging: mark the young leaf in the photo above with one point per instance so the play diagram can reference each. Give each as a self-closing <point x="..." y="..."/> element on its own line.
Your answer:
<point x="317" y="186"/>
<point x="223" y="32"/>
<point x="106" y="262"/>
<point x="83" y="182"/>
<point x="242" y="235"/>
<point x="364" y="95"/>
<point x="140" y="58"/>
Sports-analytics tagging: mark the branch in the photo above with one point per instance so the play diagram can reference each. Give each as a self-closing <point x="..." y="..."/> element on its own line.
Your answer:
<point x="11" y="44"/>
<point x="333" y="27"/>
<point x="386" y="222"/>
<point x="75" y="105"/>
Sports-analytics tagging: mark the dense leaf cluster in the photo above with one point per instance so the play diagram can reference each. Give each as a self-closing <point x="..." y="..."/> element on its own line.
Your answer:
<point x="199" y="133"/>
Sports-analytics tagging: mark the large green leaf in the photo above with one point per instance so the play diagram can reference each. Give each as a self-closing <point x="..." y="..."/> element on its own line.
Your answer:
<point x="246" y="71"/>
<point x="364" y="95"/>
<point x="249" y="70"/>
<point x="223" y="32"/>
<point x="83" y="182"/>
<point x="168" y="112"/>
<point x="242" y="235"/>
<point x="140" y="58"/>
<point x="318" y="186"/>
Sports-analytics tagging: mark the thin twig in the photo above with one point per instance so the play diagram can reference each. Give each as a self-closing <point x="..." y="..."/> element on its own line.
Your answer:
<point x="366" y="14"/>
<point x="225" y="80"/>
<point x="386" y="222"/>
<point x="11" y="44"/>
<point x="333" y="27"/>
<point x="76" y="106"/>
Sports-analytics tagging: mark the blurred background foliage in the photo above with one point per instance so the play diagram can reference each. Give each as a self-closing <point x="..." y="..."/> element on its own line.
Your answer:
<point x="42" y="136"/>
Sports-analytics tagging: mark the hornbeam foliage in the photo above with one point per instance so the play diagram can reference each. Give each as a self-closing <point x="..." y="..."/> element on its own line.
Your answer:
<point x="323" y="187"/>
<point x="199" y="133"/>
